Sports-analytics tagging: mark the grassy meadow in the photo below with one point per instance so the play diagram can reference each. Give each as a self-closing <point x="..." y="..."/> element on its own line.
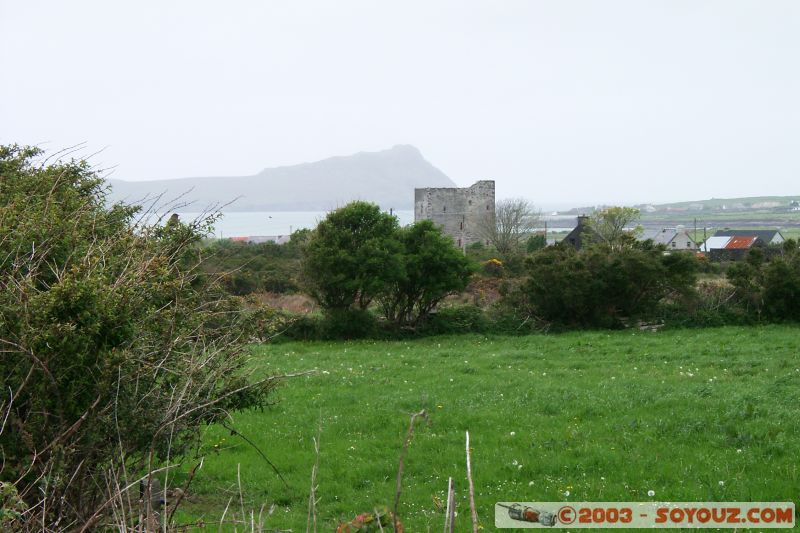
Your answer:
<point x="693" y="415"/>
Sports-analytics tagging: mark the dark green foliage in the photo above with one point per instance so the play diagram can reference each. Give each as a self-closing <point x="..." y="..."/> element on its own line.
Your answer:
<point x="432" y="268"/>
<point x="535" y="243"/>
<point x="599" y="287"/>
<point x="358" y="254"/>
<point x="493" y="268"/>
<point x="348" y="324"/>
<point x="303" y="327"/>
<point x="462" y="319"/>
<point x="769" y="288"/>
<point x="250" y="268"/>
<point x="351" y="256"/>
<point x="114" y="351"/>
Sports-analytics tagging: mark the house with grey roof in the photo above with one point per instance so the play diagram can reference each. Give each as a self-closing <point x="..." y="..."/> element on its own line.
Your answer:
<point x="672" y="238"/>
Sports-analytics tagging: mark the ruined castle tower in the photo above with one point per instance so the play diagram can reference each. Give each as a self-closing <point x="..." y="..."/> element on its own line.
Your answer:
<point x="461" y="212"/>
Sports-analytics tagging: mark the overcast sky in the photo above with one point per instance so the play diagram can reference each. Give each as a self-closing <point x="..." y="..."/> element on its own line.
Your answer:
<point x="576" y="102"/>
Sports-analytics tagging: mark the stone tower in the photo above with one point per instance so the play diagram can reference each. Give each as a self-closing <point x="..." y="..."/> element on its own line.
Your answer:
<point x="461" y="212"/>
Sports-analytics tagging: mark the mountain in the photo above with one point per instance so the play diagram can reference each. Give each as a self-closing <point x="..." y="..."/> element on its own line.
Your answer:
<point x="387" y="178"/>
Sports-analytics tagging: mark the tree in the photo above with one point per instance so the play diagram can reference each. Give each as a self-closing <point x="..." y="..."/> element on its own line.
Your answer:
<point x="351" y="256"/>
<point x="432" y="269"/>
<point x="513" y="220"/>
<point x="610" y="225"/>
<point x="114" y="350"/>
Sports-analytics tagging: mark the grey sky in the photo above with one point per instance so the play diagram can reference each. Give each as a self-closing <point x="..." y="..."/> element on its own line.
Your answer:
<point x="558" y="101"/>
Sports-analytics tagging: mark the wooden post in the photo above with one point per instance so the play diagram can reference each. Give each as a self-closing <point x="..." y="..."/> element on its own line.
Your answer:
<point x="473" y="513"/>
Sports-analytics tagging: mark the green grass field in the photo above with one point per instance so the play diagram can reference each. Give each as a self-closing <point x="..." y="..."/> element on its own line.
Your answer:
<point x="693" y="415"/>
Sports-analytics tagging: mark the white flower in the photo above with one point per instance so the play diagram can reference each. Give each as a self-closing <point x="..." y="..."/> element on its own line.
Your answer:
<point x="721" y="483"/>
<point x="530" y="483"/>
<point x="738" y="450"/>
<point x="566" y="494"/>
<point x="514" y="462"/>
<point x="512" y="433"/>
<point x="651" y="493"/>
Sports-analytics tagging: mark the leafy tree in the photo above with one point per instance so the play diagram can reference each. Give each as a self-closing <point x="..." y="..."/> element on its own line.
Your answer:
<point x="114" y="350"/>
<point x="351" y="256"/>
<point x="432" y="269"/>
<point x="513" y="220"/>
<point x="610" y="225"/>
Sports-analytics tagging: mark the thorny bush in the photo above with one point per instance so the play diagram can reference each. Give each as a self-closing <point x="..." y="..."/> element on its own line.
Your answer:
<point x="114" y="350"/>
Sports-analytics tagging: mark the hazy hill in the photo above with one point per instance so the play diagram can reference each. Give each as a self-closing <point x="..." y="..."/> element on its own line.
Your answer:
<point x="387" y="178"/>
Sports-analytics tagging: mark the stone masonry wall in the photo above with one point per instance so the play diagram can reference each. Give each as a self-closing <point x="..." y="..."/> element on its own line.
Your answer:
<point x="459" y="211"/>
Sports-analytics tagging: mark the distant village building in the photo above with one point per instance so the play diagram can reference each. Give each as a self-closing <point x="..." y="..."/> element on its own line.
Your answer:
<point x="260" y="239"/>
<point x="672" y="238"/>
<point x="733" y="245"/>
<point x="582" y="235"/>
<point x="461" y="212"/>
<point x="769" y="236"/>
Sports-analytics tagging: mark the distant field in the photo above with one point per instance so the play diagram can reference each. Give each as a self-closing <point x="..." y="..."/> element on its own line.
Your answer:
<point x="748" y="219"/>
<point x="711" y="414"/>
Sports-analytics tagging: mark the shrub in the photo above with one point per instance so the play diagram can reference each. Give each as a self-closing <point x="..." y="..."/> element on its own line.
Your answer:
<point x="601" y="287"/>
<point x="769" y="287"/>
<point x="535" y="243"/>
<point x="493" y="267"/>
<point x="349" y="324"/>
<point x="461" y="319"/>
<point x="116" y="350"/>
<point x="358" y="255"/>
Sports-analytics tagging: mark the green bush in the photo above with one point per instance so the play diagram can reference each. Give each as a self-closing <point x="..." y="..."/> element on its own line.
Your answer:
<point x="603" y="287"/>
<point x="351" y="256"/>
<point x="301" y="327"/>
<point x="358" y="255"/>
<point x="349" y="324"/>
<point x="462" y="319"/>
<point x="431" y="269"/>
<point x="116" y="350"/>
<point x="768" y="285"/>
<point x="251" y="268"/>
